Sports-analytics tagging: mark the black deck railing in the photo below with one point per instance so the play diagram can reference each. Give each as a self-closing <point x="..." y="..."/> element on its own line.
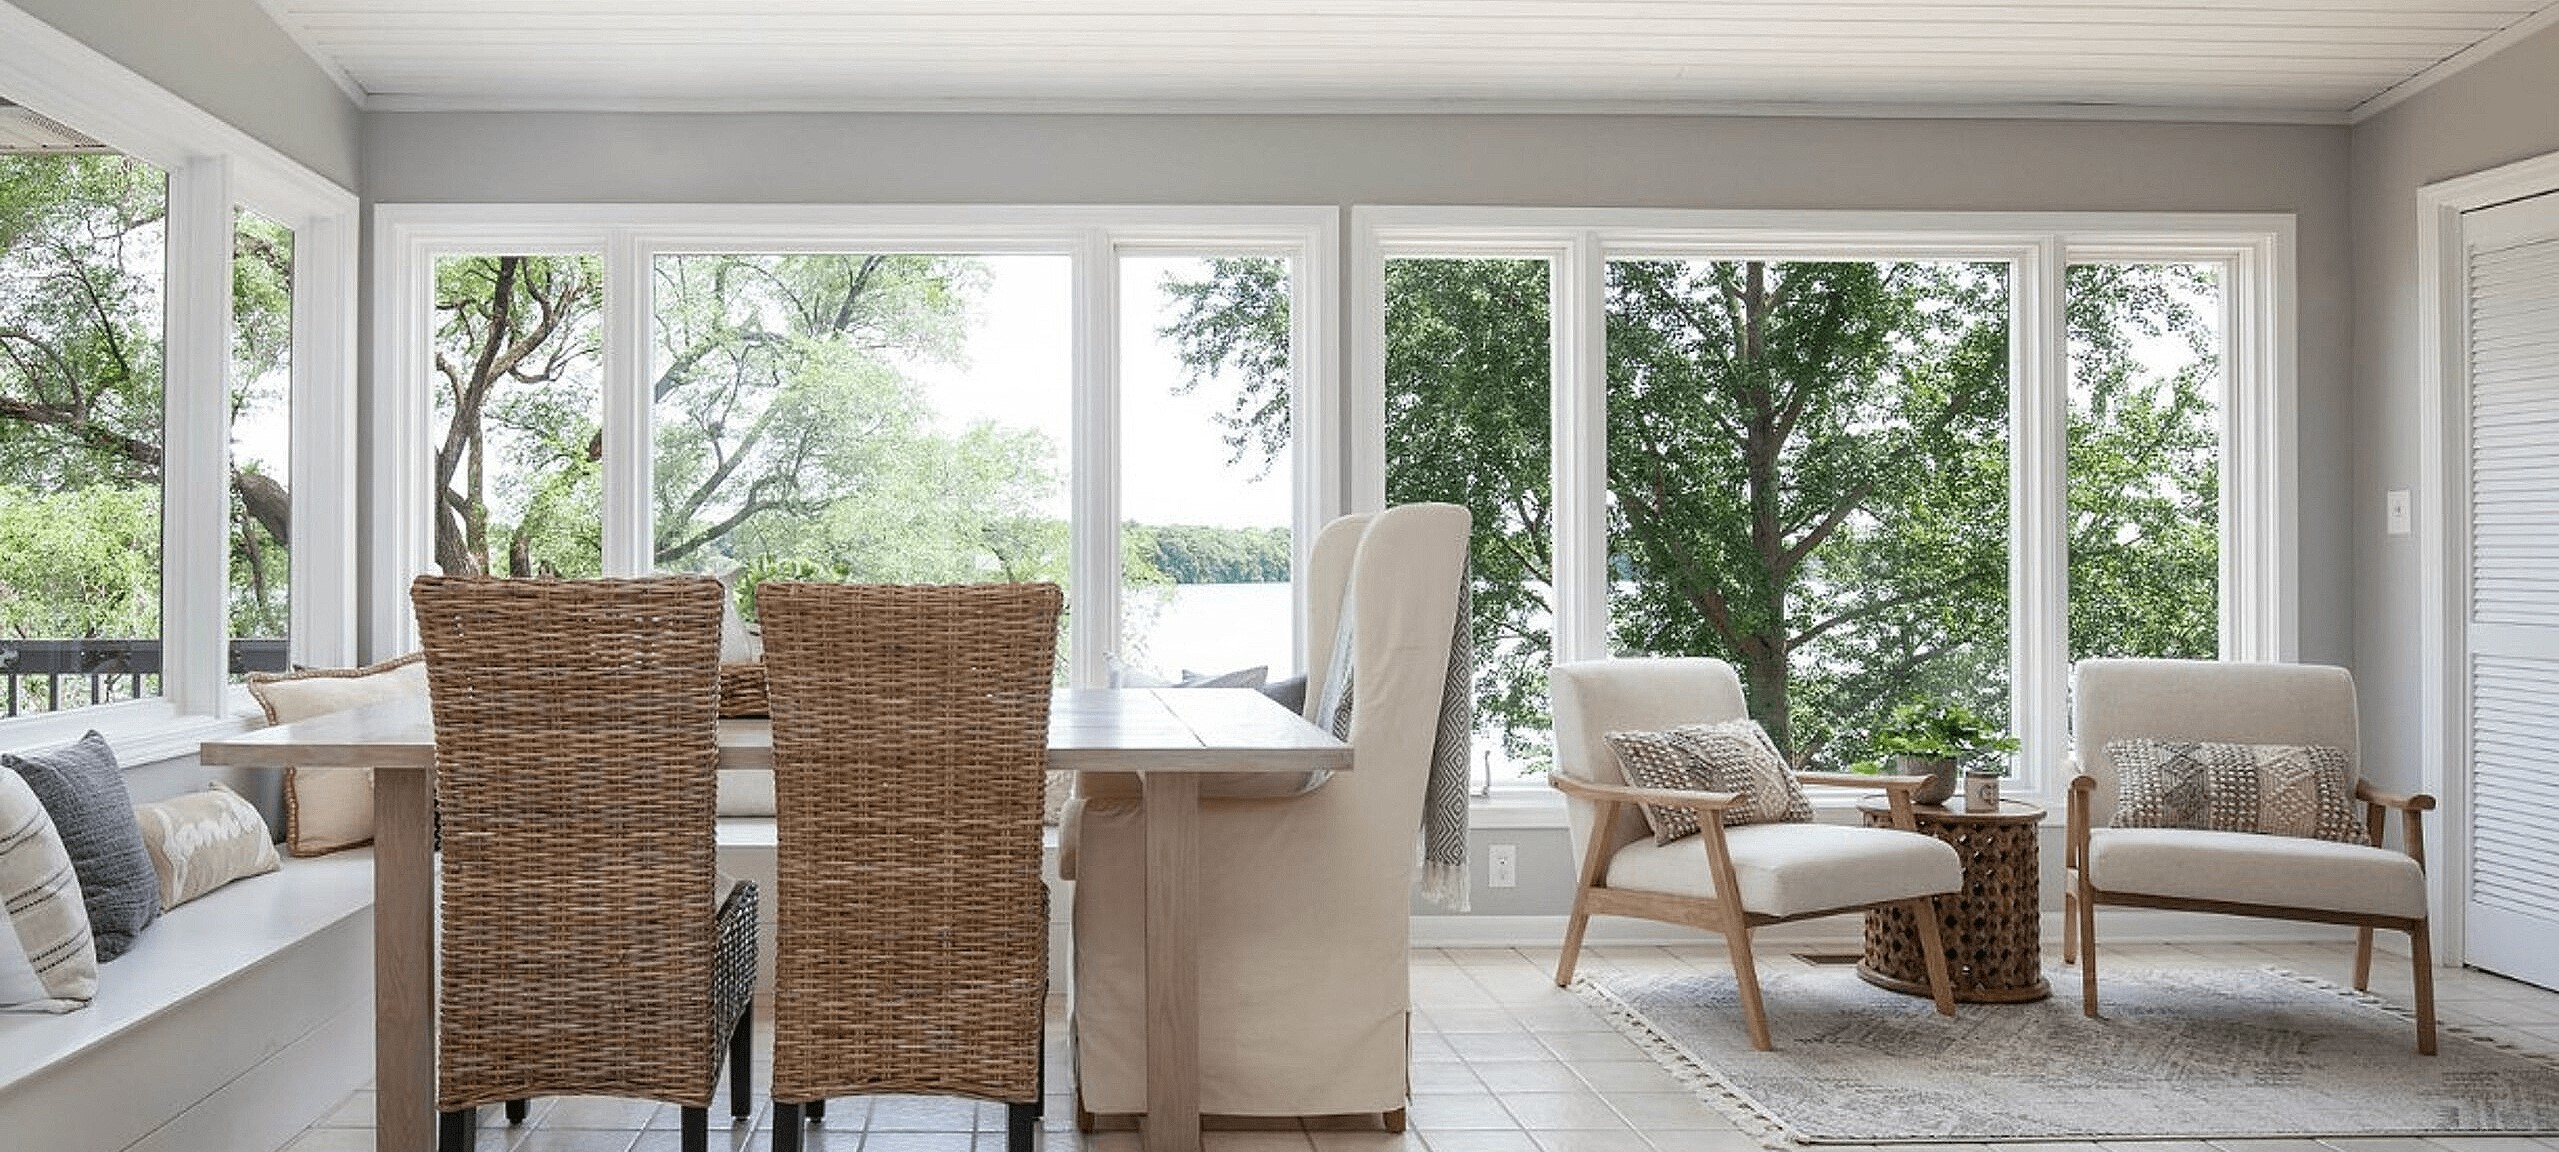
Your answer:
<point x="36" y="672"/>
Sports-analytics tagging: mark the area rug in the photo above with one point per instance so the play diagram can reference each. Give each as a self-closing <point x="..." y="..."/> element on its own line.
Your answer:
<point x="2183" y="1053"/>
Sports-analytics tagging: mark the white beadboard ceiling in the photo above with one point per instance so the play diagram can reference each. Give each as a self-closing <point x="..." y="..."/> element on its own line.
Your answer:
<point x="2226" y="59"/>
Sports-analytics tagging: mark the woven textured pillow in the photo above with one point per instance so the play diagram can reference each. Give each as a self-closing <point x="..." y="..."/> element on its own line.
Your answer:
<point x="1730" y="756"/>
<point x="2274" y="789"/>
<point x="204" y="840"/>
<point x="82" y="788"/>
<point x="40" y="891"/>
<point x="330" y="809"/>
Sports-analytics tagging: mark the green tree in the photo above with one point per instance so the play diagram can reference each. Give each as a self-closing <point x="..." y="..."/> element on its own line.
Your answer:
<point x="518" y="349"/>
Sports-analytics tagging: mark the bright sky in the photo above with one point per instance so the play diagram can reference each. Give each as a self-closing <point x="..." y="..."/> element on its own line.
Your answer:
<point x="1018" y="371"/>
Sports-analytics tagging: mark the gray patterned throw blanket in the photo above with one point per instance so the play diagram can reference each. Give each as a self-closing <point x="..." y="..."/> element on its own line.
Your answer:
<point x="1444" y="798"/>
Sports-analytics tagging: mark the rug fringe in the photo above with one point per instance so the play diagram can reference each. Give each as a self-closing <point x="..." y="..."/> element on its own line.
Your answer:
<point x="1692" y="1073"/>
<point x="2548" y="1060"/>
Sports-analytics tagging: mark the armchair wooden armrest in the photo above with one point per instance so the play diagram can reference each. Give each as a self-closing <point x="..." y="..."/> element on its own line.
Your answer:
<point x="1702" y="802"/>
<point x="2412" y="817"/>
<point x="2419" y="802"/>
<point x="1898" y="791"/>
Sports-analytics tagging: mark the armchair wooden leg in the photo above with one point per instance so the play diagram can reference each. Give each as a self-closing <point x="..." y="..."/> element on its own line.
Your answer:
<point x="2421" y="955"/>
<point x="1746" y="979"/>
<point x="1932" y="942"/>
<point x="2363" y="959"/>
<point x="1394" y="1119"/>
<point x="2087" y="948"/>
<point x="1573" y="929"/>
<point x="2069" y="926"/>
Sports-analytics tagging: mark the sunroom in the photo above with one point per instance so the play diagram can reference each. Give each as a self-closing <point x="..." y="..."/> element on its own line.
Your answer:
<point x="1464" y="576"/>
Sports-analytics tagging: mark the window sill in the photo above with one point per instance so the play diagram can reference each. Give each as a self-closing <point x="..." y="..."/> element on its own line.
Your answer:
<point x="140" y="731"/>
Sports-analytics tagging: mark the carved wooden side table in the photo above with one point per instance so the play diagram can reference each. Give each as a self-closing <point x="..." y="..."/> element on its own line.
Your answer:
<point x="1993" y="925"/>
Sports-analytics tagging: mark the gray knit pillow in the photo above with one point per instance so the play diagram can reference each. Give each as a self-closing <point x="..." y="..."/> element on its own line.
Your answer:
<point x="2276" y="789"/>
<point x="1729" y="756"/>
<point x="82" y="788"/>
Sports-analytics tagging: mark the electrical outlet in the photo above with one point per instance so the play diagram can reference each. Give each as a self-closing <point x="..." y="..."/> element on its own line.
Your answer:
<point x="1503" y="863"/>
<point x="2397" y="503"/>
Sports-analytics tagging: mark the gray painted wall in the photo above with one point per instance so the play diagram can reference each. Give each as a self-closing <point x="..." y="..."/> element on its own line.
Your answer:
<point x="1682" y="162"/>
<point x="2503" y="109"/>
<point x="228" y="58"/>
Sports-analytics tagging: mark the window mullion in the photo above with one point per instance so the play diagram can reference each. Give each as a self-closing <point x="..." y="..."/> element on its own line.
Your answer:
<point x="1578" y="320"/>
<point x="2039" y="540"/>
<point x="628" y="546"/>
<point x="322" y="449"/>
<point x="1093" y="467"/>
<point x="195" y="578"/>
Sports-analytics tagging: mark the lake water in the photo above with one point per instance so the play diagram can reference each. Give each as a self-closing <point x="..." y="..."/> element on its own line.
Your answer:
<point x="1209" y="628"/>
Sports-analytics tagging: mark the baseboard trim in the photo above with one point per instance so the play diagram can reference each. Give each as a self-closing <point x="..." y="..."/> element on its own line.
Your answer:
<point x="2114" y="926"/>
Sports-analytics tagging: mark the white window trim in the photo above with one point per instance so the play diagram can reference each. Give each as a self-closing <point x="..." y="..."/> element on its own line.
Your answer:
<point x="409" y="238"/>
<point x="2259" y="587"/>
<point x="214" y="168"/>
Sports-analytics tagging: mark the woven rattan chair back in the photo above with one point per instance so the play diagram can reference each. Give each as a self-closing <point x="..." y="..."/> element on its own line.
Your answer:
<point x="576" y="766"/>
<point x="910" y="733"/>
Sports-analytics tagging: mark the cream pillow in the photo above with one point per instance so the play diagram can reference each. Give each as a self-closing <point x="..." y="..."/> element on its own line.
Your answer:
<point x="45" y="918"/>
<point x="329" y="809"/>
<point x="204" y="840"/>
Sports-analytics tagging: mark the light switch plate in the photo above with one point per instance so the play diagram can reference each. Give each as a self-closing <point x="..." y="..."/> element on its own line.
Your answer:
<point x="1502" y="861"/>
<point x="2398" y="511"/>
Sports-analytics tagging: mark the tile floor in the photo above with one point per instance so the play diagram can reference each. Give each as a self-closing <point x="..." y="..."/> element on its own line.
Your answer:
<point x="1503" y="1061"/>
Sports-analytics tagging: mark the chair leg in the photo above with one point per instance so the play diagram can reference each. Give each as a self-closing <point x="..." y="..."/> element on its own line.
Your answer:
<point x="1395" y="1120"/>
<point x="2069" y="926"/>
<point x="697" y="1130"/>
<point x="2087" y="949"/>
<point x="1746" y="978"/>
<point x="2421" y="957"/>
<point x="2363" y="959"/>
<point x="787" y="1119"/>
<point x="816" y="1110"/>
<point x="516" y="1110"/>
<point x="742" y="1066"/>
<point x="458" y="1130"/>
<point x="1573" y="929"/>
<point x="1021" y="1127"/>
<point x="1932" y="942"/>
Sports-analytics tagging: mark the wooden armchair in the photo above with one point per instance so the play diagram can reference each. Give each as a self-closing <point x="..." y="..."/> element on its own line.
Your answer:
<point x="2235" y="873"/>
<point x="1753" y="875"/>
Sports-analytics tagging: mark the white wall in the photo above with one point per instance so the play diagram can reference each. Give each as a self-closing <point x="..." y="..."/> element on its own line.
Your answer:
<point x="228" y="58"/>
<point x="2503" y="109"/>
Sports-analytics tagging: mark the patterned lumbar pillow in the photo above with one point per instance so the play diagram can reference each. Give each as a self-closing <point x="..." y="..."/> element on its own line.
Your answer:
<point x="1730" y="756"/>
<point x="202" y="841"/>
<point x="328" y="809"/>
<point x="46" y="924"/>
<point x="82" y="788"/>
<point x="2276" y="789"/>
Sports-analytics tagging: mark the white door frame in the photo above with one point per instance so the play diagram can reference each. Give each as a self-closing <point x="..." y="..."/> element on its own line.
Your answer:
<point x="2443" y="437"/>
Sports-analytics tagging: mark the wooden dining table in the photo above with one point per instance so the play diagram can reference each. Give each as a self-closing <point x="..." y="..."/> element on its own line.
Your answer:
<point x="1169" y="738"/>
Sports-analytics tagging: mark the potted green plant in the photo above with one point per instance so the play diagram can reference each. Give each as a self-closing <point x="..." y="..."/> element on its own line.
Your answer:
<point x="1935" y="738"/>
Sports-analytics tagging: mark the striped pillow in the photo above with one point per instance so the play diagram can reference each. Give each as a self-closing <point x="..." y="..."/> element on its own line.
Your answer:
<point x="47" y="925"/>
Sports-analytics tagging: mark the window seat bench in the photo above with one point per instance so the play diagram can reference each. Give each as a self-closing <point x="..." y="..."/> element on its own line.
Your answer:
<point x="234" y="1022"/>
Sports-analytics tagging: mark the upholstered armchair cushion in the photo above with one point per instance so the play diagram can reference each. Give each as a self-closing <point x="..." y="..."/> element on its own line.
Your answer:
<point x="1597" y="697"/>
<point x="2246" y="868"/>
<point x="1797" y="869"/>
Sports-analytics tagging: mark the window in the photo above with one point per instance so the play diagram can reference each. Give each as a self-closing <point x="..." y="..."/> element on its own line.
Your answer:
<point x="1206" y="471"/>
<point x="261" y="443"/>
<point x="83" y="250"/>
<point x="1808" y="478"/>
<point x="872" y="417"/>
<point x="1870" y="459"/>
<point x="1468" y="420"/>
<point x="873" y="394"/>
<point x="2146" y="382"/>
<point x="517" y="449"/>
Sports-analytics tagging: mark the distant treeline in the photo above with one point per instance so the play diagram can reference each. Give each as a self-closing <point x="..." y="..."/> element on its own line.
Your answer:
<point x="1198" y="554"/>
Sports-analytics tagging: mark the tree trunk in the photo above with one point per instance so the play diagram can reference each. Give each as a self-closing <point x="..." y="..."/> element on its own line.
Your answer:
<point x="1760" y="605"/>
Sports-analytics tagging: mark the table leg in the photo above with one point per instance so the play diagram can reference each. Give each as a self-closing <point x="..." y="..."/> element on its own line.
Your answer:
<point x="1172" y="962"/>
<point x="403" y="961"/>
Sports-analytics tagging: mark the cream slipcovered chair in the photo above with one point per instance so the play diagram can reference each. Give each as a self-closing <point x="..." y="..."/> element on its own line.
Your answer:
<point x="1781" y="872"/>
<point x="1304" y="896"/>
<point x="2237" y="873"/>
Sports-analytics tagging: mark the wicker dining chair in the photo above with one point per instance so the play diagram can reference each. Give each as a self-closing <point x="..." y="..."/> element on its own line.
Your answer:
<point x="910" y="747"/>
<point x="586" y="949"/>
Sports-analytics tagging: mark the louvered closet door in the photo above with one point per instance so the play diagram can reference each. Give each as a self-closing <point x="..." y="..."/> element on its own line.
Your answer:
<point x="2512" y="283"/>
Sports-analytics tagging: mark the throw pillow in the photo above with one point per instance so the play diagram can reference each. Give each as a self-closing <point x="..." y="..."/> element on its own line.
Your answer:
<point x="2275" y="789"/>
<point x="1252" y="677"/>
<point x="202" y="841"/>
<point x="46" y="924"/>
<point x="329" y="809"/>
<point x="1730" y="756"/>
<point x="82" y="788"/>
